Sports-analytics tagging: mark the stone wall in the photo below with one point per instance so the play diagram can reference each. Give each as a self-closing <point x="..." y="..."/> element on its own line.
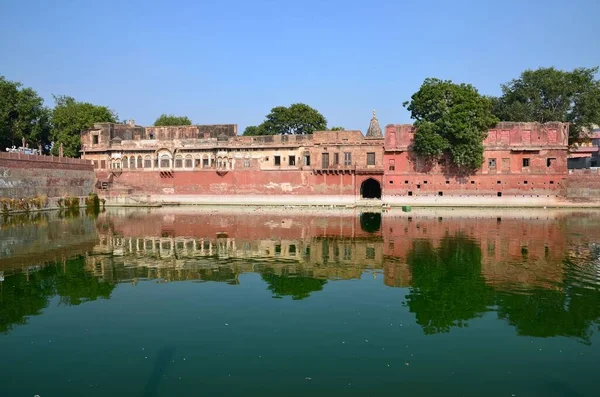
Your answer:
<point x="583" y="185"/>
<point x="24" y="176"/>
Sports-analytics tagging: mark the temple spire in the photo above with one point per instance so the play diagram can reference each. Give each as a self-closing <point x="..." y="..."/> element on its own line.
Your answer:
<point x="374" y="130"/>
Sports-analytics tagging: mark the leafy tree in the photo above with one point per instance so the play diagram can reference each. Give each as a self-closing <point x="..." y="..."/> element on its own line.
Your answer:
<point x="22" y="115"/>
<point x="253" y="130"/>
<point x="297" y="119"/>
<point x="452" y="120"/>
<point x="170" y="120"/>
<point x="548" y="94"/>
<point x="338" y="129"/>
<point x="70" y="117"/>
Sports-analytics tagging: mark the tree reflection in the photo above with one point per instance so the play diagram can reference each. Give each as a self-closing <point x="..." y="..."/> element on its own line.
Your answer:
<point x="298" y="287"/>
<point x="570" y="311"/>
<point x="24" y="295"/>
<point x="448" y="288"/>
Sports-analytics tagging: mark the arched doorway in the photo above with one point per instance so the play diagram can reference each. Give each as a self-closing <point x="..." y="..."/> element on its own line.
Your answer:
<point x="370" y="189"/>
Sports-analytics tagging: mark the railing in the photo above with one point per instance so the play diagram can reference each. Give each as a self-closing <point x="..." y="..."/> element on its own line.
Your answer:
<point x="43" y="158"/>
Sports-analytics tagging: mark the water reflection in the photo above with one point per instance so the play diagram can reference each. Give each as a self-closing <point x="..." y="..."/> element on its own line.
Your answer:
<point x="538" y="273"/>
<point x="27" y="294"/>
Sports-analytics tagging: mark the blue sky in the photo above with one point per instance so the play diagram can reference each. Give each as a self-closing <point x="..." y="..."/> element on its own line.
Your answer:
<point x="231" y="61"/>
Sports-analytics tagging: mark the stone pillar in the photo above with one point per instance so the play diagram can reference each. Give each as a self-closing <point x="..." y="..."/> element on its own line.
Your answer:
<point x="60" y="150"/>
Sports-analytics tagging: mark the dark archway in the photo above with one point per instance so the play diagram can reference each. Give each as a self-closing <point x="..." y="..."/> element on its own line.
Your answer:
<point x="370" y="189"/>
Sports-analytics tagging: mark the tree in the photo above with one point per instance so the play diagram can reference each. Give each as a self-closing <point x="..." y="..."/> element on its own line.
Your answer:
<point x="548" y="94"/>
<point x="22" y="115"/>
<point x="253" y="130"/>
<point x="169" y="120"/>
<point x="70" y="117"/>
<point x="298" y="119"/>
<point x="338" y="129"/>
<point x="452" y="120"/>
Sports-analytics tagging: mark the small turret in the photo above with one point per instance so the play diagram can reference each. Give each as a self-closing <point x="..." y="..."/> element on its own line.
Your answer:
<point x="374" y="130"/>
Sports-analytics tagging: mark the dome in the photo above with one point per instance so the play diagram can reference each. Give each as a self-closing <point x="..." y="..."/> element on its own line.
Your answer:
<point x="374" y="130"/>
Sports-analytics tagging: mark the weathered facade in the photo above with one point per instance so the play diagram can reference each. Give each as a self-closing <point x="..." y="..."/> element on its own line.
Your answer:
<point x="176" y="163"/>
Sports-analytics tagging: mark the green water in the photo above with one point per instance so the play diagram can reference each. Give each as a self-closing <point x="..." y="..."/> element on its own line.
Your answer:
<point x="184" y="303"/>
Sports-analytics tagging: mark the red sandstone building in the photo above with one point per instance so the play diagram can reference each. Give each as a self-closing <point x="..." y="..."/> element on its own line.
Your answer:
<point x="199" y="163"/>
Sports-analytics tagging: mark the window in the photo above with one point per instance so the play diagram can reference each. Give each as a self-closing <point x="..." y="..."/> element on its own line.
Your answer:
<point x="94" y="139"/>
<point x="178" y="162"/>
<point x="147" y="162"/>
<point x="277" y="160"/>
<point x="325" y="161"/>
<point x="151" y="135"/>
<point x="440" y="193"/>
<point x="392" y="165"/>
<point x="132" y="162"/>
<point x="292" y="159"/>
<point x="336" y="158"/>
<point x="165" y="162"/>
<point x="550" y="161"/>
<point x="188" y="161"/>
<point x="525" y="162"/>
<point x="347" y="158"/>
<point x="125" y="162"/>
<point x="492" y="163"/>
<point x="410" y="193"/>
<point x="140" y="164"/>
<point x="292" y="250"/>
<point x="103" y="164"/>
<point x="370" y="158"/>
<point x="307" y="160"/>
<point x="205" y="163"/>
<point x="499" y="194"/>
<point x="506" y="164"/>
<point x="246" y="163"/>
<point x="347" y="253"/>
<point x="370" y="254"/>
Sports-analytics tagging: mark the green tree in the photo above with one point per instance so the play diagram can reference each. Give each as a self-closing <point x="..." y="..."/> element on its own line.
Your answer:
<point x="253" y="130"/>
<point x="171" y="120"/>
<point x="298" y="119"/>
<point x="452" y="120"/>
<point x="70" y="117"/>
<point x="548" y="94"/>
<point x="22" y="115"/>
<point x="338" y="129"/>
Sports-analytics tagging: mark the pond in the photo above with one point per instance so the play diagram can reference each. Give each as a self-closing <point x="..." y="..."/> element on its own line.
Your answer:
<point x="256" y="302"/>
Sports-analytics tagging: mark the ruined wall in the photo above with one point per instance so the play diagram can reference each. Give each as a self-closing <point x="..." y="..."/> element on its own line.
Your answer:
<point x="583" y="185"/>
<point x="237" y="182"/>
<point x="520" y="159"/>
<point x="23" y="176"/>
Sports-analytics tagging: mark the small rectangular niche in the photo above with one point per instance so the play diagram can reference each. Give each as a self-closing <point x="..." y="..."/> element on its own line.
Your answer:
<point x="499" y="182"/>
<point x="425" y="182"/>
<point x="418" y="186"/>
<point x="525" y="182"/>
<point x="499" y="194"/>
<point x="440" y="193"/>
<point x="472" y="182"/>
<point x="406" y="182"/>
<point x="410" y="193"/>
<point x="391" y="182"/>
<point x="447" y="182"/>
<point x="552" y="182"/>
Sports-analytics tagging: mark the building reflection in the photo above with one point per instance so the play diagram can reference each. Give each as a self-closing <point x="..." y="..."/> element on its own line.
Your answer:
<point x="538" y="271"/>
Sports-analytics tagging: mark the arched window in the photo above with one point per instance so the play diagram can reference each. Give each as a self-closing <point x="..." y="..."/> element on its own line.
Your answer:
<point x="132" y="162"/>
<point x="188" y="161"/>
<point x="139" y="162"/>
<point x="165" y="161"/>
<point x="178" y="161"/>
<point x="147" y="161"/>
<point x="125" y="162"/>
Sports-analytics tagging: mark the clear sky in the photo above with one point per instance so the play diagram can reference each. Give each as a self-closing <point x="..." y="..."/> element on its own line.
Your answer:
<point x="231" y="61"/>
